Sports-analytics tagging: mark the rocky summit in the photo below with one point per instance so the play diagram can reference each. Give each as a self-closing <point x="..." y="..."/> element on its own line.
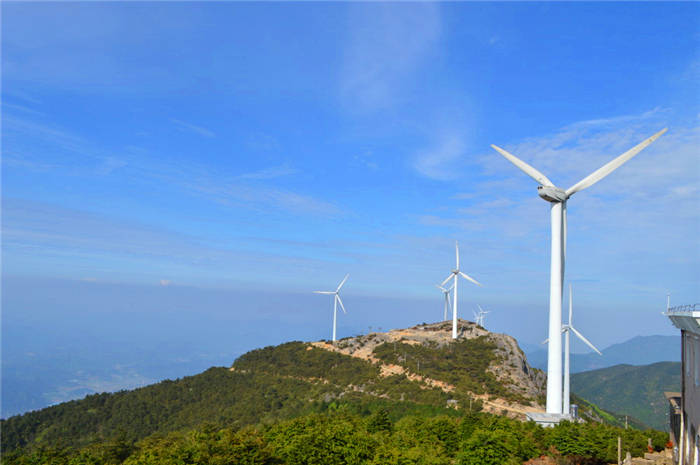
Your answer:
<point x="401" y="352"/>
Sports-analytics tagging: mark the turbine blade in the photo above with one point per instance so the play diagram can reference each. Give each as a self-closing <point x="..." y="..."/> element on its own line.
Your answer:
<point x="470" y="279"/>
<point x="571" y="305"/>
<point x="545" y="341"/>
<point x="342" y="282"/>
<point x="457" y="253"/>
<point x="440" y="287"/>
<point x="527" y="169"/>
<point x="324" y="292"/>
<point x="480" y="309"/>
<point x="611" y="166"/>
<point x="341" y="303"/>
<point x="447" y="279"/>
<point x="580" y="336"/>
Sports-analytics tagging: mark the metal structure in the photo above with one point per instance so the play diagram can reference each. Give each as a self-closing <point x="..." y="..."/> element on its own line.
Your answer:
<point x="566" y="329"/>
<point x="480" y="317"/>
<point x="455" y="274"/>
<point x="685" y="406"/>
<point x="446" y="292"/>
<point x="558" y="198"/>
<point x="336" y="301"/>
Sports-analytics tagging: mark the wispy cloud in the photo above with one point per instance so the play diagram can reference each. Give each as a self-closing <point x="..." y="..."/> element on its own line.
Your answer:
<point x="74" y="242"/>
<point x="386" y="43"/>
<point x="649" y="202"/>
<point x="37" y="145"/>
<point x="20" y="95"/>
<point x="188" y="127"/>
<point x="22" y="108"/>
<point x="366" y="159"/>
<point x="263" y="198"/>
<point x="270" y="173"/>
<point x="437" y="161"/>
<point x="576" y="150"/>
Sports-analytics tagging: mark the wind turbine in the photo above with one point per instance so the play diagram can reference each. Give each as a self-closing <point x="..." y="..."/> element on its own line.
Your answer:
<point x="336" y="301"/>
<point x="480" y="316"/>
<point x="558" y="198"/>
<point x="447" y="299"/>
<point x="455" y="274"/>
<point x="566" y="329"/>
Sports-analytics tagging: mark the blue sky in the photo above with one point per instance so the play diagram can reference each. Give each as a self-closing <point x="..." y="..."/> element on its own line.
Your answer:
<point x="271" y="148"/>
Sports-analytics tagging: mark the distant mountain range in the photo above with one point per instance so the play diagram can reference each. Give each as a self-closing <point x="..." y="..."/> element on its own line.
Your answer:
<point x="634" y="390"/>
<point x="640" y="350"/>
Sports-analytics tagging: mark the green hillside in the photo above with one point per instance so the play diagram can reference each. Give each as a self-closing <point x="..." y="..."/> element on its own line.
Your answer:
<point x="266" y="385"/>
<point x="276" y="383"/>
<point x="593" y="413"/>
<point x="379" y="398"/>
<point x="637" y="391"/>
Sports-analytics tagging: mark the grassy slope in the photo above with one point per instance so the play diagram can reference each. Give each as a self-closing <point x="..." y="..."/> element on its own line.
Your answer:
<point x="634" y="390"/>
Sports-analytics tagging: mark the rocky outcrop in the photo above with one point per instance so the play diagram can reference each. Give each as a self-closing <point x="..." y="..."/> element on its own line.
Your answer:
<point x="509" y="365"/>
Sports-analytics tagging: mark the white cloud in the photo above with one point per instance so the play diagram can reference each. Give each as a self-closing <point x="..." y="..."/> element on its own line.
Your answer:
<point x="184" y="126"/>
<point x="366" y="159"/>
<point x="636" y="229"/>
<point x="40" y="146"/>
<point x="270" y="173"/>
<point x="437" y="161"/>
<point x="386" y="43"/>
<point x="262" y="198"/>
<point x="579" y="149"/>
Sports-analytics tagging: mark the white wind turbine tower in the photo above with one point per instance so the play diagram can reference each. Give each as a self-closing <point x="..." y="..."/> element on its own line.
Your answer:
<point x="566" y="329"/>
<point x="477" y="318"/>
<point x="446" y="292"/>
<point x="558" y="198"/>
<point x="455" y="275"/>
<point x="336" y="301"/>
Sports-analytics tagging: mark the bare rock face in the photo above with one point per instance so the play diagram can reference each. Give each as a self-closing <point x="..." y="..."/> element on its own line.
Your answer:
<point x="508" y="363"/>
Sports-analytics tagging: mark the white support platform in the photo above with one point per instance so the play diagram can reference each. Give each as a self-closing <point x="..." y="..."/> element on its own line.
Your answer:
<point x="548" y="419"/>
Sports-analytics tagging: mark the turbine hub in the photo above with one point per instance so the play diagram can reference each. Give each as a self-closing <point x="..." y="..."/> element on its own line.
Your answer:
<point x="552" y="194"/>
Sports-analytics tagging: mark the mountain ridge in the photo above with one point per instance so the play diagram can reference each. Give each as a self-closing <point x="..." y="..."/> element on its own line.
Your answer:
<point x="416" y="370"/>
<point x="407" y="369"/>
<point x="639" y="350"/>
<point x="631" y="389"/>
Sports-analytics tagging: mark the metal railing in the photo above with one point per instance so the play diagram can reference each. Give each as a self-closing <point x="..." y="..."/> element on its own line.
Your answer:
<point x="684" y="309"/>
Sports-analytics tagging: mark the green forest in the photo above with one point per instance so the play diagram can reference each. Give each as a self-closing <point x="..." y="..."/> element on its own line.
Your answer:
<point x="344" y="435"/>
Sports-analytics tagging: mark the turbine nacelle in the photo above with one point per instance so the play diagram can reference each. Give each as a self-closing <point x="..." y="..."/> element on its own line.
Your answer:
<point x="552" y="194"/>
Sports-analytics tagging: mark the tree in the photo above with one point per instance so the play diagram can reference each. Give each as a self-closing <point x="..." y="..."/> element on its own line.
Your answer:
<point x="490" y="448"/>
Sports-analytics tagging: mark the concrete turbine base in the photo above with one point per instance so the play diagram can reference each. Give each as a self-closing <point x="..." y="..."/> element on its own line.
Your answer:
<point x="548" y="419"/>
